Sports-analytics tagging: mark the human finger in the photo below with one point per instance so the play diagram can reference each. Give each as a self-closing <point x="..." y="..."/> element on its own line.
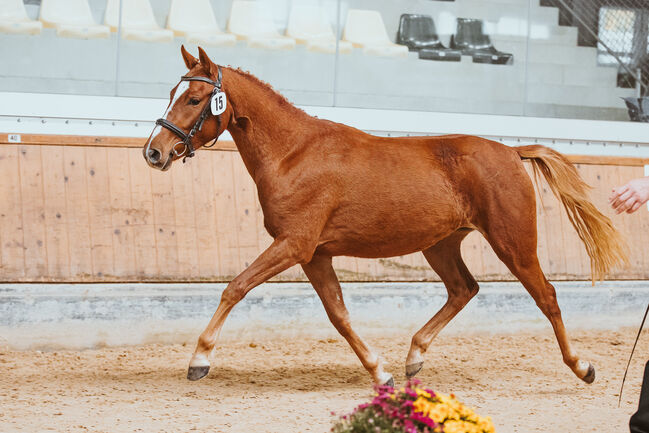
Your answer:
<point x="628" y="204"/>
<point x="618" y="201"/>
<point x="635" y="207"/>
<point x="617" y="192"/>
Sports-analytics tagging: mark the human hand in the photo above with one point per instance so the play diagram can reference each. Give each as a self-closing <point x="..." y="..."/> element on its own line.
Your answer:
<point x="630" y="197"/>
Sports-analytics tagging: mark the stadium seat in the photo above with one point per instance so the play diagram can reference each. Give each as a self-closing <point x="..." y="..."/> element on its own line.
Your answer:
<point x="308" y="24"/>
<point x="72" y="19"/>
<point x="194" y="19"/>
<point x="365" y="28"/>
<point x="472" y="41"/>
<point x="253" y="21"/>
<point x="418" y="33"/>
<point x="138" y="21"/>
<point x="14" y="19"/>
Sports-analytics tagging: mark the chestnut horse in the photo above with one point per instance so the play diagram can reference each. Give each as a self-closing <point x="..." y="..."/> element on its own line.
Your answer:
<point x="327" y="189"/>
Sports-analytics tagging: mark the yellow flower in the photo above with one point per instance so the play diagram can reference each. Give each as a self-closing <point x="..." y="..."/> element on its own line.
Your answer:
<point x="422" y="406"/>
<point x="449" y="412"/>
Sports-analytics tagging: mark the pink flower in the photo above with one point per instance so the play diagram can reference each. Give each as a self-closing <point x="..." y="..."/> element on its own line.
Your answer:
<point x="409" y="427"/>
<point x="407" y="404"/>
<point x="415" y="416"/>
<point x="411" y="393"/>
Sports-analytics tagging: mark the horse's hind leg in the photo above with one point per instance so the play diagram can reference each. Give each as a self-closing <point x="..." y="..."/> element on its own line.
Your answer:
<point x="445" y="259"/>
<point x="325" y="282"/>
<point x="517" y="249"/>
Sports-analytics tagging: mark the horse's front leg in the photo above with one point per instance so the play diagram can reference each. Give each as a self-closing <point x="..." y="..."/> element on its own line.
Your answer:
<point x="280" y="255"/>
<point x="325" y="282"/>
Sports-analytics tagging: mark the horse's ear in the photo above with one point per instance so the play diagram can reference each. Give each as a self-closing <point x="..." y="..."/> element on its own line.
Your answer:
<point x="190" y="61"/>
<point x="206" y="62"/>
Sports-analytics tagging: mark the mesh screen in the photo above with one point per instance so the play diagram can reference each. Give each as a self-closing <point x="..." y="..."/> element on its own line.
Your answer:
<point x="618" y="28"/>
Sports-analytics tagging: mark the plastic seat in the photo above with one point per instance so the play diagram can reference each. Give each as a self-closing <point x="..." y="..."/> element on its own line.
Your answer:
<point x="14" y="19"/>
<point x="72" y="19"/>
<point x="194" y="19"/>
<point x="138" y="21"/>
<point x="365" y="28"/>
<point x="418" y="33"/>
<point x="472" y="41"/>
<point x="253" y="21"/>
<point x="307" y="24"/>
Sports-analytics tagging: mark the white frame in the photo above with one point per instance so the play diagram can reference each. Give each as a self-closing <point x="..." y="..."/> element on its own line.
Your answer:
<point x="133" y="117"/>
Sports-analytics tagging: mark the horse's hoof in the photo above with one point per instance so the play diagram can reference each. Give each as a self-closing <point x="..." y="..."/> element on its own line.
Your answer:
<point x="195" y="373"/>
<point x="590" y="376"/>
<point x="413" y="369"/>
<point x="390" y="382"/>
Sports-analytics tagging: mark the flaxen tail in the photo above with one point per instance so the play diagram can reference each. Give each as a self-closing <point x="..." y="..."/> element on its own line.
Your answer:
<point x="603" y="242"/>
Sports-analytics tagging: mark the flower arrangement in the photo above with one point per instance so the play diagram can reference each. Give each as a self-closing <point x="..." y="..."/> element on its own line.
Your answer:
<point x="412" y="410"/>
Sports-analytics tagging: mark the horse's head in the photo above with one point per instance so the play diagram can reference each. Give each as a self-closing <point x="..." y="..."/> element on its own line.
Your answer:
<point x="197" y="113"/>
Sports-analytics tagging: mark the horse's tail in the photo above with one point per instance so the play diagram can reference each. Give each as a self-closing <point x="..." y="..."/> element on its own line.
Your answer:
<point x="603" y="242"/>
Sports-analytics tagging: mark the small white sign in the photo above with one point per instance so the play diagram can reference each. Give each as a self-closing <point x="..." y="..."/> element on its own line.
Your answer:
<point x="13" y="138"/>
<point x="219" y="103"/>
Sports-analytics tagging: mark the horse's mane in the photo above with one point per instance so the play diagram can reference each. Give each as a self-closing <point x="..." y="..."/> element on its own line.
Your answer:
<point x="281" y="99"/>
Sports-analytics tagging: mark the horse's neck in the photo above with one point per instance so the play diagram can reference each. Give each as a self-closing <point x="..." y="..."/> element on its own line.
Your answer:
<point x="264" y="125"/>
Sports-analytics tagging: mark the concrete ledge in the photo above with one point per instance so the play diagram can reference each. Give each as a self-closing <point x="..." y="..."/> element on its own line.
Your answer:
<point x="65" y="316"/>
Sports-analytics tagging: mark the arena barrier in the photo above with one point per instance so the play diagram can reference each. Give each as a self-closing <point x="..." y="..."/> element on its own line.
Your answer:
<point x="89" y="209"/>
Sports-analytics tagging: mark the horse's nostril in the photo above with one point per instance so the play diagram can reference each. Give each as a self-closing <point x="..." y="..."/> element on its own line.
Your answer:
<point x="154" y="155"/>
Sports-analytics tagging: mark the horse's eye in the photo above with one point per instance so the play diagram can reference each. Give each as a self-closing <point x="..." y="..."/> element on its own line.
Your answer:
<point x="194" y="101"/>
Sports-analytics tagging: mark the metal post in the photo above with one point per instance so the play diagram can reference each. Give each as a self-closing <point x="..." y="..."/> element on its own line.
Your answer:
<point x="119" y="38"/>
<point x="527" y="56"/>
<point x="638" y="83"/>
<point x="336" y="57"/>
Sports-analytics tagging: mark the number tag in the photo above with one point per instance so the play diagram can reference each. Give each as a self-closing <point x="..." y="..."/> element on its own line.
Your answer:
<point x="14" y="138"/>
<point x="218" y="104"/>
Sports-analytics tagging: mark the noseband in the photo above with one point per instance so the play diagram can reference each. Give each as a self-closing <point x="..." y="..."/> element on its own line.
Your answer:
<point x="188" y="150"/>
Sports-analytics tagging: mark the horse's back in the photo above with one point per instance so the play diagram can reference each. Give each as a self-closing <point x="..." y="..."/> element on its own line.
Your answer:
<point x="400" y="195"/>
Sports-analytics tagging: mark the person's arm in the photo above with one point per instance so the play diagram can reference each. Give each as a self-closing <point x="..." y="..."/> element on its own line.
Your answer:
<point x="628" y="198"/>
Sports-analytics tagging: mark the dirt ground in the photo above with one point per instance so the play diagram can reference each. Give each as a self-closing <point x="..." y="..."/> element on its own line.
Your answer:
<point x="292" y="386"/>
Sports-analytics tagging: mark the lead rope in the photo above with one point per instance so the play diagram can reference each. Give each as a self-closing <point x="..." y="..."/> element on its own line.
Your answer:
<point x="631" y="356"/>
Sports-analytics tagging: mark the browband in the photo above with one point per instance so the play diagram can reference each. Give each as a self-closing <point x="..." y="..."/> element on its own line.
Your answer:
<point x="188" y="151"/>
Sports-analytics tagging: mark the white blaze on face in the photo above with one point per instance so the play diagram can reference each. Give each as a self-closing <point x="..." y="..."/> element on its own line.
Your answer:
<point x="180" y="90"/>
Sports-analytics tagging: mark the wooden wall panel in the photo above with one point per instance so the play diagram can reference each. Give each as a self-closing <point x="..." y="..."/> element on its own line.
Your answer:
<point x="56" y="236"/>
<point x="77" y="207"/>
<point x="164" y="223"/>
<point x="120" y="205"/>
<point x="185" y="222"/>
<point x="227" y="233"/>
<point x="140" y="218"/>
<point x="97" y="212"/>
<point x="472" y="253"/>
<point x="33" y="211"/>
<point x="204" y="196"/>
<point x="12" y="258"/>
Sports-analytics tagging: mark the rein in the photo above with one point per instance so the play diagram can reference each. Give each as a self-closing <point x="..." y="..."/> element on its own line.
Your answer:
<point x="631" y="356"/>
<point x="188" y="150"/>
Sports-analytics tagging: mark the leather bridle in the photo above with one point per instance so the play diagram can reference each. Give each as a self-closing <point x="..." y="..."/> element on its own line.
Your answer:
<point x="188" y="150"/>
